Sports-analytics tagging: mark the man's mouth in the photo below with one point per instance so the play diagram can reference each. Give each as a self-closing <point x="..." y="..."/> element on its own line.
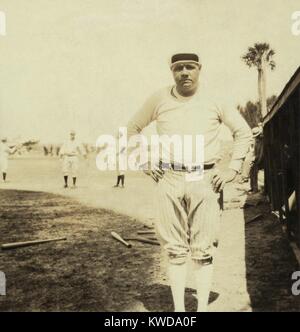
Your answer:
<point x="186" y="82"/>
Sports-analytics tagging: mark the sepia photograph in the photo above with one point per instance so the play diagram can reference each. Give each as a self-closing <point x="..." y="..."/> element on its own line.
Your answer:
<point x="149" y="158"/>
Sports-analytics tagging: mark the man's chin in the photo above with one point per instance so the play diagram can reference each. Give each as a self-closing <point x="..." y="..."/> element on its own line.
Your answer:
<point x="188" y="88"/>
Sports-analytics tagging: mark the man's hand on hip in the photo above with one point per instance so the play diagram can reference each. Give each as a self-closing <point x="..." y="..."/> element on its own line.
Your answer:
<point x="220" y="178"/>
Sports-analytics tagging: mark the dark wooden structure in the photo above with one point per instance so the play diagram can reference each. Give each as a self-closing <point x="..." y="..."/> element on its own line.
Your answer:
<point x="281" y="139"/>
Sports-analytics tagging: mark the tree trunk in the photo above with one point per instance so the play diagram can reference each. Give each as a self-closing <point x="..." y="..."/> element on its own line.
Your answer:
<point x="262" y="90"/>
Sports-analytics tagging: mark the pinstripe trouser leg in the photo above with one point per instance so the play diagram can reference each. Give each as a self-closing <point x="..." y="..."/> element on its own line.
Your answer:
<point x="189" y="215"/>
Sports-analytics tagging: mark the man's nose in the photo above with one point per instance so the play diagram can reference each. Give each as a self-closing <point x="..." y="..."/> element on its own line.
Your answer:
<point x="184" y="71"/>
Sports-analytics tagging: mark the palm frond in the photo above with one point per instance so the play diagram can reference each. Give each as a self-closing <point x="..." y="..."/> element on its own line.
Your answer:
<point x="255" y="55"/>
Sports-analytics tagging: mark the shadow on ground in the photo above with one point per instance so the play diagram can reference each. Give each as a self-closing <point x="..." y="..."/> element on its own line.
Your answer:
<point x="158" y="298"/>
<point x="270" y="260"/>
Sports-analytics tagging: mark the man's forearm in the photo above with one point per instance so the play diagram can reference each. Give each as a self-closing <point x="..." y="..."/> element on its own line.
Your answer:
<point x="236" y="164"/>
<point x="241" y="145"/>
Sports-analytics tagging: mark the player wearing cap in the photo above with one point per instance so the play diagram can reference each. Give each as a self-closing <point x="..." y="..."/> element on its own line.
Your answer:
<point x="69" y="152"/>
<point x="188" y="206"/>
<point x="5" y="151"/>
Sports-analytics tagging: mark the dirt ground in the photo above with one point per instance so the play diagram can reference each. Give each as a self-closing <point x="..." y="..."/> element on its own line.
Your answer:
<point x="90" y="271"/>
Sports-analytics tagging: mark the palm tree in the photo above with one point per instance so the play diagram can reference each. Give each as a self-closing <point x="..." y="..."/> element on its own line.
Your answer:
<point x="261" y="57"/>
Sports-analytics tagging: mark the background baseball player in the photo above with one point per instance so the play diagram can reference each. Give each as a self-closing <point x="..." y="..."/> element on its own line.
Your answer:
<point x="5" y="151"/>
<point x="120" y="178"/>
<point x="189" y="208"/>
<point x="120" y="172"/>
<point x="253" y="160"/>
<point x="69" y="152"/>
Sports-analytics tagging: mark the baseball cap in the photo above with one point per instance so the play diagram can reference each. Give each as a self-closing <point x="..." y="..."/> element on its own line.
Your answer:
<point x="184" y="57"/>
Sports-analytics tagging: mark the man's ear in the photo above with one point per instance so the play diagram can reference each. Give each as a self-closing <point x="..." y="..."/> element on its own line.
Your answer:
<point x="200" y="66"/>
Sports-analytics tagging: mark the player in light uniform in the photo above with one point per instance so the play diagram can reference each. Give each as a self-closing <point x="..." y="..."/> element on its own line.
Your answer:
<point x="120" y="178"/>
<point x="69" y="152"/>
<point x="5" y="151"/>
<point x="120" y="171"/>
<point x="189" y="209"/>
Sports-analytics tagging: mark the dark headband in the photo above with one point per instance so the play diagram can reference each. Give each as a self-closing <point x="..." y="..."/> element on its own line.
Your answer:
<point x="184" y="57"/>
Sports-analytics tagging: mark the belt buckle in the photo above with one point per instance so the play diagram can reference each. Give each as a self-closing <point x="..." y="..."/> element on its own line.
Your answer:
<point x="164" y="166"/>
<point x="189" y="168"/>
<point x="193" y="174"/>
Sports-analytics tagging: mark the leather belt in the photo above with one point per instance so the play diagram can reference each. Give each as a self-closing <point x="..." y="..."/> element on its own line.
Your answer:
<point x="184" y="168"/>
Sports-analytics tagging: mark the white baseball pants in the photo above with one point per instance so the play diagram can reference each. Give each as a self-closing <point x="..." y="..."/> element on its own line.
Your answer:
<point x="70" y="166"/>
<point x="3" y="164"/>
<point x="189" y="216"/>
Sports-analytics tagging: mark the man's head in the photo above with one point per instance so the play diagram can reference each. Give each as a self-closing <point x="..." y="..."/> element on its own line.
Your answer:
<point x="186" y="69"/>
<point x="72" y="134"/>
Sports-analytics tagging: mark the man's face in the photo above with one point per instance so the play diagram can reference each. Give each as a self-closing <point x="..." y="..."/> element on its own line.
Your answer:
<point x="72" y="135"/>
<point x="186" y="76"/>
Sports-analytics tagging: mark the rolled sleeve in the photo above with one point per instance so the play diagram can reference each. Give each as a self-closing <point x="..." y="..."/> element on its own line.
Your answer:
<point x="242" y="137"/>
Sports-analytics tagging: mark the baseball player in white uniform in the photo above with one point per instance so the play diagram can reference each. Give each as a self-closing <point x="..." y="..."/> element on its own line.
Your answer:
<point x="69" y="152"/>
<point x="120" y="178"/>
<point x="189" y="207"/>
<point x="5" y="151"/>
<point x="120" y="171"/>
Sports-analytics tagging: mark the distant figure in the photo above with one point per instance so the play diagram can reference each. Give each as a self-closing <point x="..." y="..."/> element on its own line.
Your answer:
<point x="121" y="177"/>
<point x="258" y="153"/>
<point x="248" y="163"/>
<point x="253" y="160"/>
<point x="121" y="174"/>
<point x="69" y="152"/>
<point x="57" y="149"/>
<point x="45" y="150"/>
<point x="49" y="150"/>
<point x="5" y="151"/>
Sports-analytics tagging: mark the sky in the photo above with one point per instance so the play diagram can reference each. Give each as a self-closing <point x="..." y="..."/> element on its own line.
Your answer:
<point x="89" y="65"/>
